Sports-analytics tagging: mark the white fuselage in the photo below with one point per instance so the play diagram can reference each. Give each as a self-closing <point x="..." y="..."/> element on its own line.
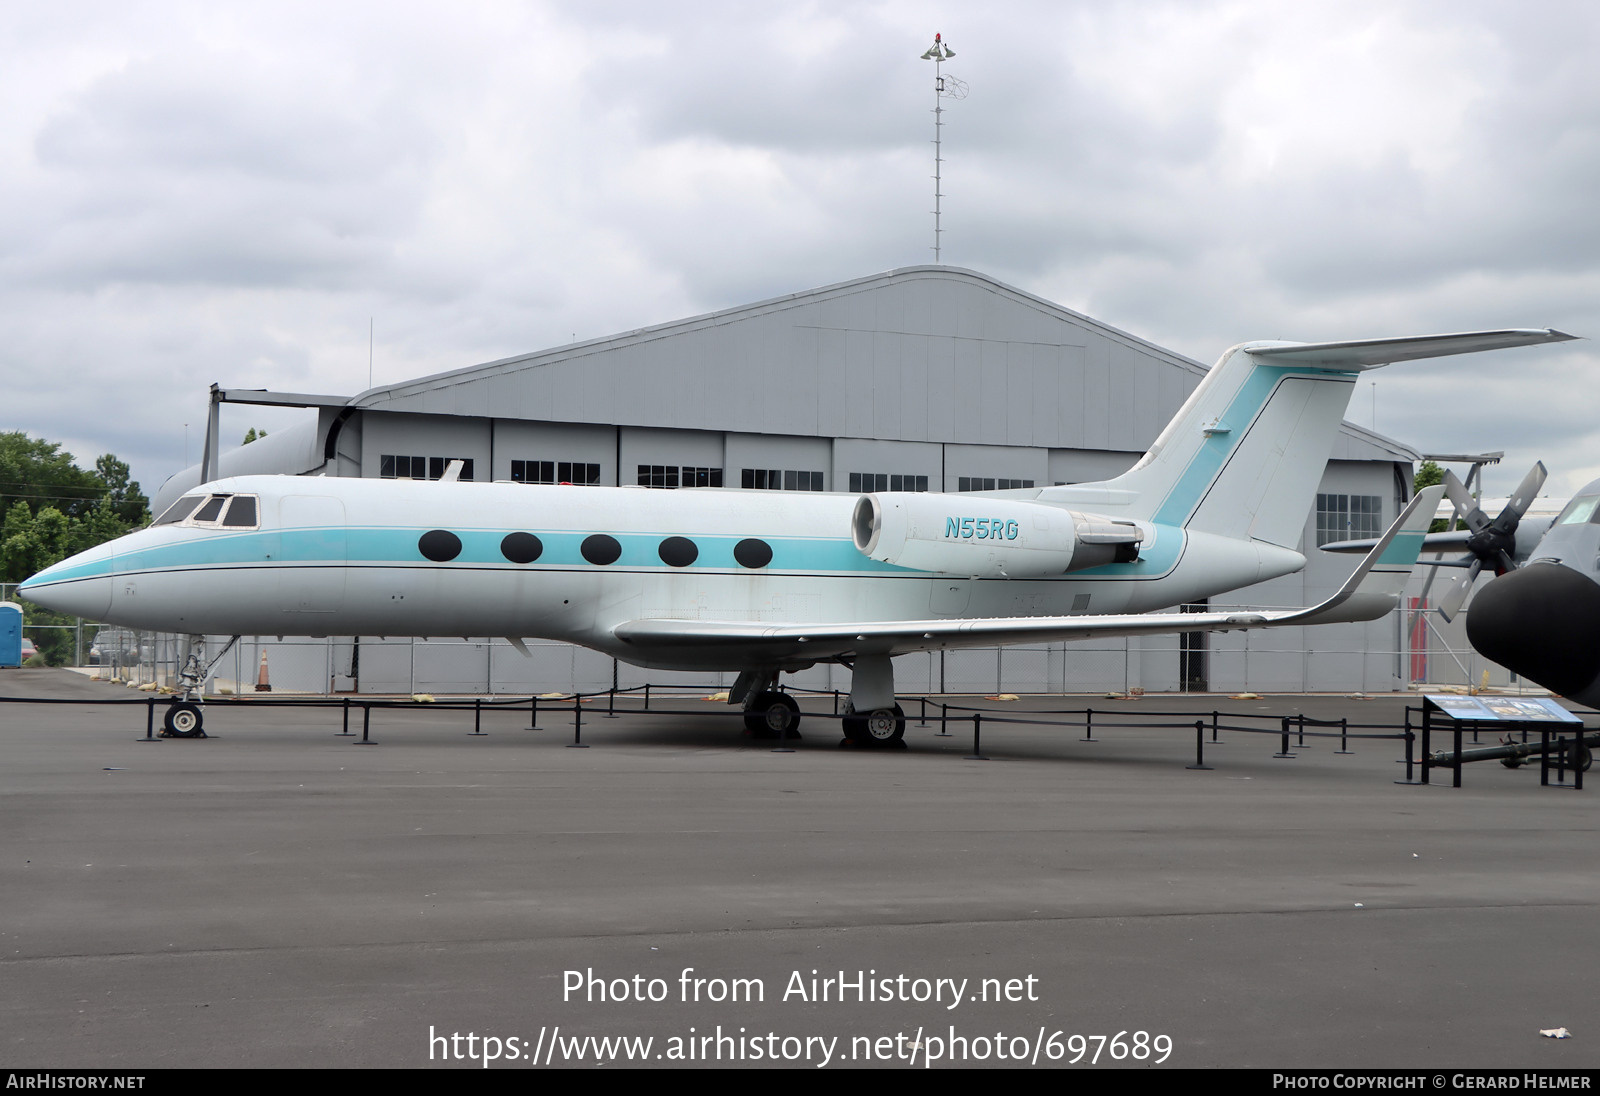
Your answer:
<point x="352" y="557"/>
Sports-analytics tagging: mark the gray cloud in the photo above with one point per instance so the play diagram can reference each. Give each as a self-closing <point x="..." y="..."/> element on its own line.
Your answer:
<point x="192" y="194"/>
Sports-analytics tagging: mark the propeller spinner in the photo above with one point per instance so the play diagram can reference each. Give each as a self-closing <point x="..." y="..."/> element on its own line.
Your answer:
<point x="1493" y="540"/>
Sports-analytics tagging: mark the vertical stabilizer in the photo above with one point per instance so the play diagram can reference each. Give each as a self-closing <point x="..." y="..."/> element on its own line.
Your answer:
<point x="1243" y="456"/>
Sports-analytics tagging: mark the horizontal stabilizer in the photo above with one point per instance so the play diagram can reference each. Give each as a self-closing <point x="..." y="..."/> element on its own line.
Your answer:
<point x="1370" y="353"/>
<point x="1373" y="590"/>
<point x="1434" y="542"/>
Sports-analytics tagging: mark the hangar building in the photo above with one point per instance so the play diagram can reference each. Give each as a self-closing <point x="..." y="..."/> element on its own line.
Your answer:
<point x="923" y="378"/>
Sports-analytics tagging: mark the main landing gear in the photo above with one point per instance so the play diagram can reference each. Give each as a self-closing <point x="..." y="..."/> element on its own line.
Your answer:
<point x="184" y="718"/>
<point x="771" y="714"/>
<point x="871" y="717"/>
<point x="879" y="727"/>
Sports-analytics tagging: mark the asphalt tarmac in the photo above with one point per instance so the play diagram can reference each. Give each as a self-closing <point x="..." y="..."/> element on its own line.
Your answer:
<point x="278" y="895"/>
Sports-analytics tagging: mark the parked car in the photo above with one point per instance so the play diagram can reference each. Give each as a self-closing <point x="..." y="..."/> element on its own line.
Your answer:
<point x="114" y="647"/>
<point x="28" y="649"/>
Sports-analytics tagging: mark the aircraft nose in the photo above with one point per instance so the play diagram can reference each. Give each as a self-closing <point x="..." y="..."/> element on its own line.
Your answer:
<point x="65" y="588"/>
<point x="1543" y="621"/>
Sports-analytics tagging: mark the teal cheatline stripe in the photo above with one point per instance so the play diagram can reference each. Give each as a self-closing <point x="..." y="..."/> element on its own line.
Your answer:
<point x="1403" y="549"/>
<point x="1246" y="405"/>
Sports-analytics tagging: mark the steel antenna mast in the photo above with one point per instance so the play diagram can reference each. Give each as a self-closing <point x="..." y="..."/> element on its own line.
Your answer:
<point x="938" y="53"/>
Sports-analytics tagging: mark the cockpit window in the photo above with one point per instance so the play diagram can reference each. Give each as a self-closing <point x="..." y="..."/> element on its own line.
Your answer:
<point x="1579" y="510"/>
<point x="212" y="509"/>
<point x="242" y="512"/>
<point x="179" y="510"/>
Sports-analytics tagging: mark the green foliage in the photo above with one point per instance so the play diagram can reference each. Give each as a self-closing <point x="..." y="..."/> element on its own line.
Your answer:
<point x="123" y="495"/>
<point x="53" y="509"/>
<point x="37" y="472"/>
<point x="1428" y="474"/>
<point x="254" y="435"/>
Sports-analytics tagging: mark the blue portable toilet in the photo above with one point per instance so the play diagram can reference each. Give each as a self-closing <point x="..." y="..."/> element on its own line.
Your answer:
<point x="10" y="634"/>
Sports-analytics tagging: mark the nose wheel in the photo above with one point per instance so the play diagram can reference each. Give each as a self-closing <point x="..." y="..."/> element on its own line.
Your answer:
<point x="184" y="720"/>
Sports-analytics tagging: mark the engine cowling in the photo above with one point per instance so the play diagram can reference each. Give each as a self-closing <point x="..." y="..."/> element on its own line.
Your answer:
<point x="987" y="538"/>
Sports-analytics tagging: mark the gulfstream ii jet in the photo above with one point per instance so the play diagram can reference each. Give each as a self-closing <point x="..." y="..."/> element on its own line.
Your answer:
<point x="765" y="582"/>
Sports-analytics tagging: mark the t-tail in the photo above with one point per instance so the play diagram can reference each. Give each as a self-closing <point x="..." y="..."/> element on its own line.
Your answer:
<point x="1243" y="456"/>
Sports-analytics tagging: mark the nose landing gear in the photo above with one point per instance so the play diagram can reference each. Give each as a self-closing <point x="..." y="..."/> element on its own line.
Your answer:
<point x="184" y="718"/>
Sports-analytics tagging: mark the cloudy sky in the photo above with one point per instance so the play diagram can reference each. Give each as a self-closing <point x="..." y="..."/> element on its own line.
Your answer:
<point x="232" y="192"/>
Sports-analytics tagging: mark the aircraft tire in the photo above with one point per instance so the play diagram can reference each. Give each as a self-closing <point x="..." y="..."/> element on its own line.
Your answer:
<point x="773" y="715"/>
<point x="885" y="727"/>
<point x="184" y="720"/>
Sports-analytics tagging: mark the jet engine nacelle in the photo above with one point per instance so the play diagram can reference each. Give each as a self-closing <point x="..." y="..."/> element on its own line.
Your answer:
<point x="987" y="538"/>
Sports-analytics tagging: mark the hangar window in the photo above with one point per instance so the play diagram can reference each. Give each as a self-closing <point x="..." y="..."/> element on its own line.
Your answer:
<point x="396" y="466"/>
<point x="671" y="475"/>
<point x="990" y="483"/>
<point x="774" y="479"/>
<point x="1348" y="517"/>
<point x="880" y="481"/>
<point x="555" y="471"/>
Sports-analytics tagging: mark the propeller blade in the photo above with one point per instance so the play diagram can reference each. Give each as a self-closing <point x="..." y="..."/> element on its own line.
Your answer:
<point x="1521" y="499"/>
<point x="1465" y="504"/>
<point x="1451" y="603"/>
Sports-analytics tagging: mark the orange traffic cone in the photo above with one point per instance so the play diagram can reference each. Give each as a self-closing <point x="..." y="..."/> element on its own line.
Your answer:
<point x="262" y="684"/>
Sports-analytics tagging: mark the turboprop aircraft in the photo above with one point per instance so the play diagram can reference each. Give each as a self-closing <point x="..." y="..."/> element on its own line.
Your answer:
<point x="1542" y="620"/>
<point x="1502" y="543"/>
<point x="772" y="582"/>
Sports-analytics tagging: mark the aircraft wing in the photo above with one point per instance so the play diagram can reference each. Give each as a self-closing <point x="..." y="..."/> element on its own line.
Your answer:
<point x="1373" y="590"/>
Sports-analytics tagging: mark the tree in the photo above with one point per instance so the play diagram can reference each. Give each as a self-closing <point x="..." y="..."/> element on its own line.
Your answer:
<point x="126" y="500"/>
<point x="254" y="435"/>
<point x="40" y="474"/>
<point x="1428" y="474"/>
<point x="53" y="509"/>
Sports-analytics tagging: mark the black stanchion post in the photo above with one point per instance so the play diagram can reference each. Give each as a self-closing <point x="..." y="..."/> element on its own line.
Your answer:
<point x="344" y="728"/>
<point x="1213" y="726"/>
<point x="149" y="721"/>
<point x="577" y="724"/>
<point x="1344" y="730"/>
<point x="533" y="713"/>
<point x="1199" y="746"/>
<point x="647" y="696"/>
<point x="1088" y="725"/>
<point x="366" y="722"/>
<point x="1410" y="740"/>
<point x="923" y="722"/>
<point x="977" y="739"/>
<point x="477" y="715"/>
<point x="1283" y="750"/>
<point x="944" y="720"/>
<point x="1427" y="746"/>
<point x="611" y="703"/>
<point x="836" y="702"/>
